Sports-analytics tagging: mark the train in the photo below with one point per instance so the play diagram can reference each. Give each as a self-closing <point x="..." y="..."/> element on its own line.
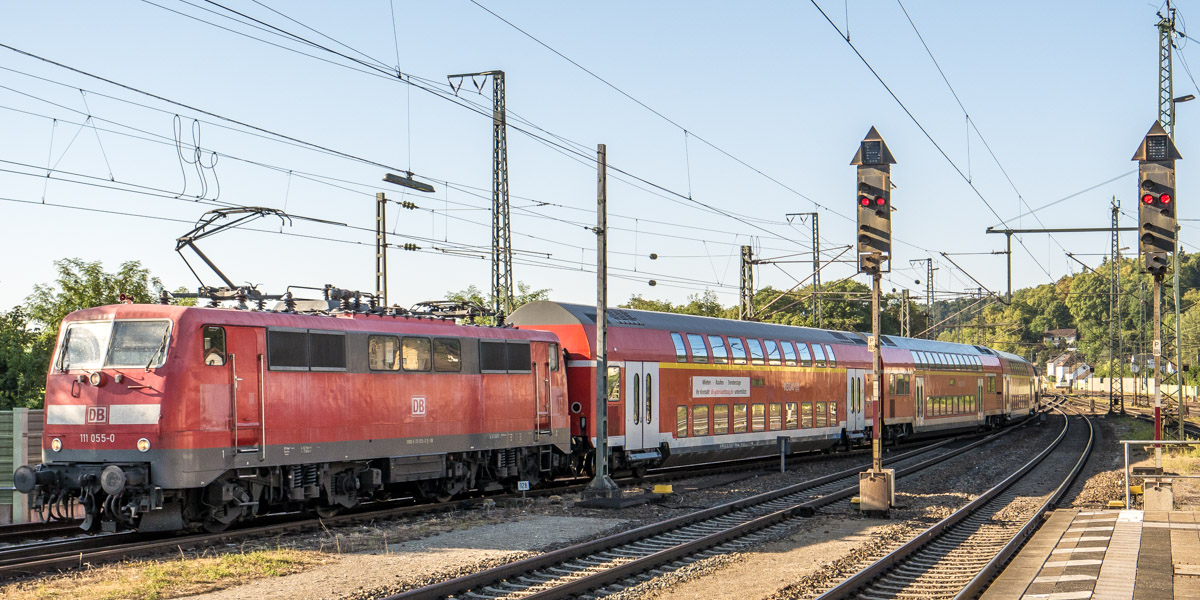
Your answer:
<point x="164" y="417"/>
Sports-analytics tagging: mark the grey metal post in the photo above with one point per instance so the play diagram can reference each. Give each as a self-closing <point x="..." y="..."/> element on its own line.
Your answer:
<point x="381" y="249"/>
<point x="602" y="486"/>
<point x="20" y="502"/>
<point x="877" y="375"/>
<point x="1156" y="291"/>
<point x="1008" y="251"/>
<point x="905" y="326"/>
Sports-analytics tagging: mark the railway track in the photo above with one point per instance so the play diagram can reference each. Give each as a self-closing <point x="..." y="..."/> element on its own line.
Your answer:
<point x="959" y="556"/>
<point x="11" y="534"/>
<point x="612" y="563"/>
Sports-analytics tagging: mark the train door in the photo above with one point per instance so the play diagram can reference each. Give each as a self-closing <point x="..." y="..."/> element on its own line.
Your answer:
<point x="1007" y="398"/>
<point x="247" y="368"/>
<point x="919" y="398"/>
<point x="856" y="419"/>
<point x="641" y="405"/>
<point x="540" y="366"/>
<point x="979" y="399"/>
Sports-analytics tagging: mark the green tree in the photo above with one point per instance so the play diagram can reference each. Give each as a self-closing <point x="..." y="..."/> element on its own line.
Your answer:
<point x="81" y="284"/>
<point x="24" y="357"/>
<point x="525" y="294"/>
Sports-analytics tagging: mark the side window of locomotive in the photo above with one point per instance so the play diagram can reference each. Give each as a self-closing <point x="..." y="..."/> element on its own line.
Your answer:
<point x="720" y="353"/>
<point x="700" y="420"/>
<point x="738" y="350"/>
<point x="681" y="423"/>
<point x="699" y="351"/>
<point x="829" y="355"/>
<point x="518" y="357"/>
<point x="214" y="346"/>
<point x="680" y="350"/>
<point x="789" y="354"/>
<point x="818" y="355"/>
<point x="720" y="419"/>
<point x="791" y="418"/>
<point x="554" y="356"/>
<point x="383" y="353"/>
<point x="287" y="350"/>
<point x="415" y="354"/>
<point x="326" y="351"/>
<point x="491" y="357"/>
<point x="805" y="357"/>
<point x="614" y="384"/>
<point x="772" y="352"/>
<point x="447" y="355"/>
<point x="756" y="351"/>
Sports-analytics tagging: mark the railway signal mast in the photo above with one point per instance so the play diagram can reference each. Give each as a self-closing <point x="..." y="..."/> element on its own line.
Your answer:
<point x="1156" y="157"/>
<point x="874" y="202"/>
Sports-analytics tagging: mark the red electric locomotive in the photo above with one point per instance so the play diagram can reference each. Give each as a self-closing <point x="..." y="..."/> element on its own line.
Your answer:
<point x="165" y="417"/>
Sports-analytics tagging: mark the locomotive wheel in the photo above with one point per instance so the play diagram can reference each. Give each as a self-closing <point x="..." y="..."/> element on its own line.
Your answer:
<point x="326" y="512"/>
<point x="215" y="526"/>
<point x="639" y="472"/>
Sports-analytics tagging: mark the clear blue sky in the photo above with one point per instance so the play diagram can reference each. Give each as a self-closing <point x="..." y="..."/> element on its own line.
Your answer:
<point x="1062" y="93"/>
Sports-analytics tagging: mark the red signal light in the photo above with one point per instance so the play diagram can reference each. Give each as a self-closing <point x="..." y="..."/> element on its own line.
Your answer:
<point x="865" y="201"/>
<point x="1148" y="198"/>
<point x="880" y="201"/>
<point x="1165" y="198"/>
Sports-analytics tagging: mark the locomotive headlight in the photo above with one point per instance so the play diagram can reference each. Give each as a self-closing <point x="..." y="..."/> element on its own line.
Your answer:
<point x="56" y="444"/>
<point x="96" y="378"/>
<point x="143" y="445"/>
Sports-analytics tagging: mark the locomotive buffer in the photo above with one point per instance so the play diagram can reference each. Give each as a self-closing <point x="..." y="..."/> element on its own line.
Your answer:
<point x="876" y="487"/>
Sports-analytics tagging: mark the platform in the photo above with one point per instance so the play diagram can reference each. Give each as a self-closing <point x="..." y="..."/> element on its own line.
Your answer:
<point x="1109" y="555"/>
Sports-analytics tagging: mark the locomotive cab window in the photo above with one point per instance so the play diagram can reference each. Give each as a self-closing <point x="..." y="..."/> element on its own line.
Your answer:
<point x="756" y="351"/>
<point x="738" y="351"/>
<point x="383" y="353"/>
<point x="447" y="356"/>
<point x="720" y="353"/>
<point x="699" y="351"/>
<point x="415" y="354"/>
<point x="818" y="355"/>
<point x="772" y="352"/>
<point x="680" y="351"/>
<point x="214" y="346"/>
<point x="554" y="356"/>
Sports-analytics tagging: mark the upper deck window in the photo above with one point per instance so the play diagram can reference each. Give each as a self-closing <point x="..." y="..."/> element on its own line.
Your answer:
<point x="756" y="351"/>
<point x="680" y="349"/>
<point x="829" y="355"/>
<point x="699" y="351"/>
<point x="789" y="354"/>
<point x="772" y="352"/>
<point x="818" y="355"/>
<point x="738" y="350"/>
<point x="114" y="344"/>
<point x="805" y="357"/>
<point x="720" y="353"/>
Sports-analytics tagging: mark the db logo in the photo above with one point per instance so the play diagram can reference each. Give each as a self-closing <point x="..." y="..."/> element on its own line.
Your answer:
<point x="97" y="414"/>
<point x="418" y="405"/>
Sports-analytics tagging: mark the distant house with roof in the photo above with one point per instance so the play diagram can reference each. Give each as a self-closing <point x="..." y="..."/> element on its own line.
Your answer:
<point x="1067" y="367"/>
<point x="1061" y="338"/>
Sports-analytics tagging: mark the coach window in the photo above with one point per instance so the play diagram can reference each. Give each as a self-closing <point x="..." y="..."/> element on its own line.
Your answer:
<point x="991" y="383"/>
<point x="821" y="414"/>
<point x="637" y="399"/>
<point x="720" y="419"/>
<point x="681" y="424"/>
<point x="737" y="350"/>
<point x="739" y="418"/>
<point x="756" y="351"/>
<point x="447" y="356"/>
<point x="818" y="355"/>
<point x="383" y="353"/>
<point x="789" y="353"/>
<point x="829" y="355"/>
<point x="772" y="352"/>
<point x="680" y="350"/>
<point x="415" y="354"/>
<point x="805" y="357"/>
<point x="554" y="356"/>
<point x="758" y="417"/>
<point x="918" y="359"/>
<point x="903" y="384"/>
<point x="614" y="384"/>
<point x="776" y="417"/>
<point x="806" y="415"/>
<point x="892" y="384"/>
<point x="700" y="420"/>
<point x="214" y="346"/>
<point x="720" y="352"/>
<point x="699" y="351"/>
<point x="833" y="420"/>
<point x="791" y="421"/>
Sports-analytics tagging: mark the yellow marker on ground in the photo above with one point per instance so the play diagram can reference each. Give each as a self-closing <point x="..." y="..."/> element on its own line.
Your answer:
<point x="663" y="489"/>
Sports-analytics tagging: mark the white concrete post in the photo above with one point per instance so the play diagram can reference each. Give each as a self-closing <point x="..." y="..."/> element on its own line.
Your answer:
<point x="20" y="502"/>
